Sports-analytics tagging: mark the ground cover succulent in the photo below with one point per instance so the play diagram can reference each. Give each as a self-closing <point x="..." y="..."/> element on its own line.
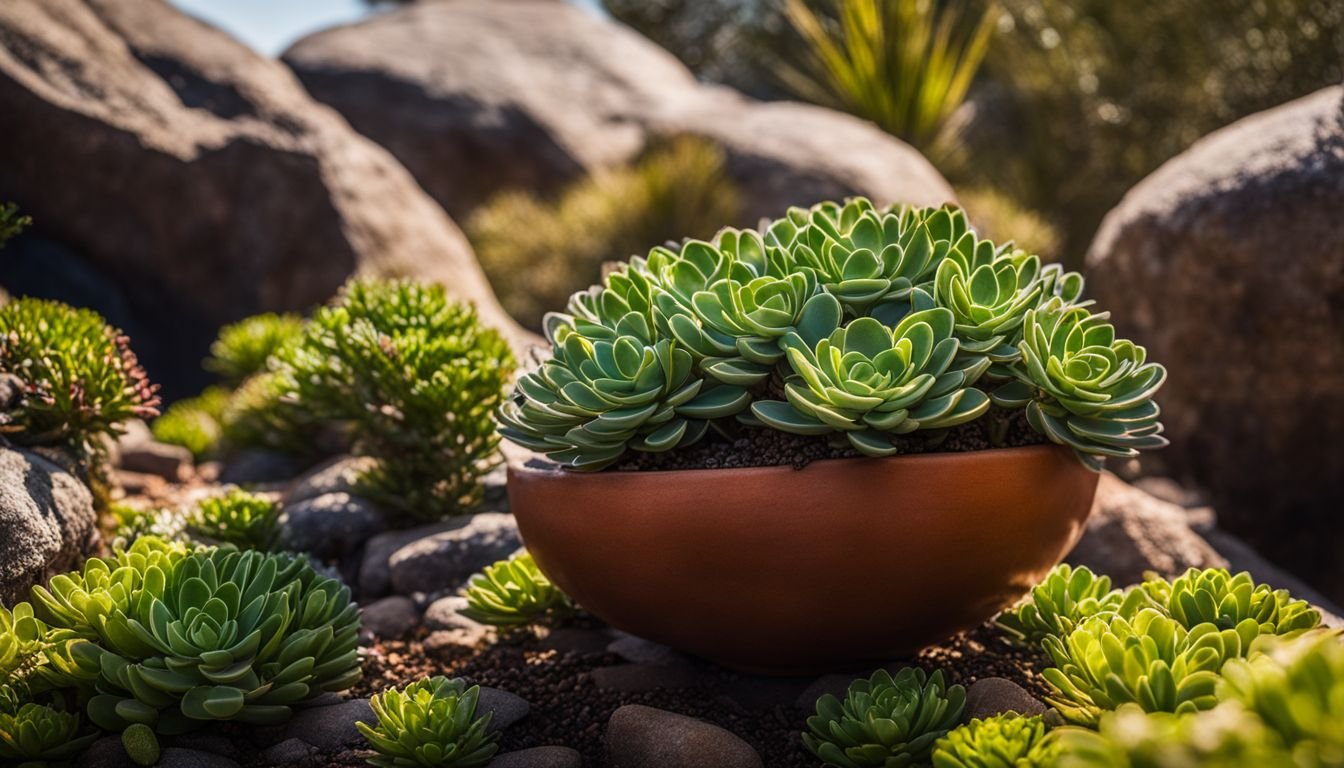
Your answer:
<point x="194" y="422"/>
<point x="244" y="348"/>
<point x="1059" y="603"/>
<point x="512" y="593"/>
<point x="237" y="517"/>
<point x="1003" y="741"/>
<point x="431" y="722"/>
<point x="846" y="321"/>
<point x="80" y="380"/>
<point x="884" y="721"/>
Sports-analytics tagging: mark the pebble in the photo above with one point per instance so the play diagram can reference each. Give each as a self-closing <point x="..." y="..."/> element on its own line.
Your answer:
<point x="584" y="642"/>
<point x="289" y="751"/>
<point x="539" y="757"/>
<point x="390" y="617"/>
<point x="179" y="757"/>
<point x="637" y="650"/>
<point x="995" y="695"/>
<point x="259" y="465"/>
<point x="508" y="708"/>
<point x="331" y="525"/>
<point x="444" y="561"/>
<point x="645" y="737"/>
<point x="336" y="475"/>
<point x="329" y="728"/>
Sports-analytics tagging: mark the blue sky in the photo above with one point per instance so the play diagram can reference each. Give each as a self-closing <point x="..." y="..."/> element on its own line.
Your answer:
<point x="270" y="26"/>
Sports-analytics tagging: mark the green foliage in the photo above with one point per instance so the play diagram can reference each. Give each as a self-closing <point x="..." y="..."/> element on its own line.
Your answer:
<point x="513" y="593"/>
<point x="258" y="416"/>
<point x="194" y="423"/>
<point x="141" y="744"/>
<point x="1224" y="737"/>
<point x="36" y="735"/>
<point x="1082" y="387"/>
<point x="242" y="519"/>
<point x="11" y="223"/>
<point x="80" y="377"/>
<point x="132" y="522"/>
<point x="1002" y="741"/>
<point x="1214" y="595"/>
<point x="904" y="64"/>
<point x="998" y="216"/>
<point x="537" y="252"/>
<point x="179" y="637"/>
<point x="867" y="323"/>
<point x="1059" y="603"/>
<point x="415" y="376"/>
<point x="431" y="722"/>
<point x="1296" y="687"/>
<point x="1149" y="659"/>
<point x="243" y="348"/>
<point x="884" y="722"/>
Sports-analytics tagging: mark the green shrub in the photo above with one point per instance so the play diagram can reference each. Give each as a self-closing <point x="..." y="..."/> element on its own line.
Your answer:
<point x="80" y="378"/>
<point x="870" y="323"/>
<point x="181" y="637"/>
<point x="1059" y="603"/>
<point x="1002" y="741"/>
<point x="11" y="223"/>
<point x="243" y="348"/>
<point x="37" y="735"/>
<point x="415" y="376"/>
<point x="536" y="253"/>
<point x="904" y="64"/>
<point x="431" y="722"/>
<point x="194" y="423"/>
<point x="258" y="416"/>
<point x="239" y="518"/>
<point x="513" y="593"/>
<point x="884" y="720"/>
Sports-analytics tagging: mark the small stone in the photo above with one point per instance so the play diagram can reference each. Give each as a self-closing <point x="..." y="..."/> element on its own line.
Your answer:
<point x="991" y="696"/>
<point x="539" y="757"/>
<point x="444" y="614"/>
<point x="444" y="561"/>
<point x="584" y="642"/>
<point x="289" y="751"/>
<point x="330" y="526"/>
<point x="390" y="617"/>
<point x="508" y="708"/>
<point x="179" y="757"/>
<point x="171" y="462"/>
<point x="330" y="728"/>
<point x="636" y="678"/>
<point x="338" y="475"/>
<point x="375" y="571"/>
<point x="645" y="737"/>
<point x="637" y="650"/>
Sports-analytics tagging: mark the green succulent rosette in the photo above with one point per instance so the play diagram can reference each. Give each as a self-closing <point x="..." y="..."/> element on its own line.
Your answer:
<point x="1149" y="660"/>
<point x="869" y="381"/>
<point x="1054" y="607"/>
<point x="1215" y="596"/>
<point x="618" y="389"/>
<point x="432" y="722"/>
<point x="181" y="638"/>
<point x="514" y="593"/>
<point x="1224" y="737"/>
<point x="37" y="735"/>
<point x="884" y="720"/>
<point x="1003" y="741"/>
<point x="1083" y="387"/>
<point x="1296" y="687"/>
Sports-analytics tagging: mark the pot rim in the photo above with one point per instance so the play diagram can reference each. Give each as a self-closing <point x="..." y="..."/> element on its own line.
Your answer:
<point x="537" y="465"/>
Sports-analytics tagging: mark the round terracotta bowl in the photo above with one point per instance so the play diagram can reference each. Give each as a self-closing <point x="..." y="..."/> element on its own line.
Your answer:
<point x="841" y="564"/>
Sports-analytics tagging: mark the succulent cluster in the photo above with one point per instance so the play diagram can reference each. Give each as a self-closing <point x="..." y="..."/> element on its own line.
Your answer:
<point x="243" y="349"/>
<point x="415" y="377"/>
<point x="1059" y="603"/>
<point x="848" y="321"/>
<point x="172" y="638"/>
<point x="194" y="422"/>
<point x="78" y="377"/>
<point x="236" y="517"/>
<point x="432" y="722"/>
<point x="1225" y="737"/>
<point x="1003" y="741"/>
<point x="1225" y="600"/>
<point x="39" y="735"/>
<point x="885" y="721"/>
<point x="514" y="593"/>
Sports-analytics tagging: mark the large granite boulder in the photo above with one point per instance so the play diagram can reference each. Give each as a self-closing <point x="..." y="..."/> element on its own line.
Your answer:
<point x="1228" y="264"/>
<point x="197" y="180"/>
<point x="47" y="519"/>
<point x="477" y="96"/>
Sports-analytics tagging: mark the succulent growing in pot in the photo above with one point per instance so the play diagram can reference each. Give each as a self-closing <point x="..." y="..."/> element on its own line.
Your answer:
<point x="845" y="332"/>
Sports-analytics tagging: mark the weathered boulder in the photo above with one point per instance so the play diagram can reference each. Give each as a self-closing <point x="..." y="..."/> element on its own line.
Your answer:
<point x="476" y="96"/>
<point x="211" y="186"/>
<point x="1130" y="533"/>
<point x="1226" y="264"/>
<point x="47" y="519"/>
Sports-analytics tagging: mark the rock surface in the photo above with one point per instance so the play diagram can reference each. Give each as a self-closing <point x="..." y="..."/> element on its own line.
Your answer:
<point x="329" y="727"/>
<point x="539" y="757"/>
<point x="444" y="560"/>
<point x="375" y="572"/>
<point x="644" y="737"/>
<point x="332" y="525"/>
<point x="477" y="96"/>
<point x="390" y="617"/>
<point x="234" y="191"/>
<point x="991" y="696"/>
<point x="1225" y="263"/>
<point x="47" y="518"/>
<point x="507" y="707"/>
<point x="1131" y="532"/>
<point x="339" y="474"/>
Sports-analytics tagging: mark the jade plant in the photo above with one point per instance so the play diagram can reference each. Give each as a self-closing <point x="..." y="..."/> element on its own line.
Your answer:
<point x="1003" y="741"/>
<point x="514" y="593"/>
<point x="79" y="378"/>
<point x="863" y="326"/>
<point x="177" y="637"/>
<point x="243" y="519"/>
<point x="431" y="722"/>
<point x="415" y="378"/>
<point x="1056" y="605"/>
<point x="885" y="721"/>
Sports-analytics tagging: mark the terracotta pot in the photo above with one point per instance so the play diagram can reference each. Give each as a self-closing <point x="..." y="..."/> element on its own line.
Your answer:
<point x="841" y="564"/>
